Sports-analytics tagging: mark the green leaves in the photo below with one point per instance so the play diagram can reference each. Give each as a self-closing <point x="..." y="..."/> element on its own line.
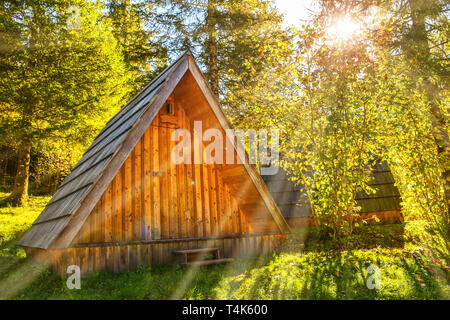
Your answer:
<point x="62" y="80"/>
<point x="59" y="81"/>
<point x="363" y="100"/>
<point x="330" y="143"/>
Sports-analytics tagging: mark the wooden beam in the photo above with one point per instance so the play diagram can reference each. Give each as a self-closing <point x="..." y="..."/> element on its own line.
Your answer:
<point x="125" y="243"/>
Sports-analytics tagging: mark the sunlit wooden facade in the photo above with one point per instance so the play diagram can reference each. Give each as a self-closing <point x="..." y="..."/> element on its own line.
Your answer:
<point x="127" y="204"/>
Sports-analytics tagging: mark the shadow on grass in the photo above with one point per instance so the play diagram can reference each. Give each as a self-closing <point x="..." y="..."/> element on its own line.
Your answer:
<point x="11" y="255"/>
<point x="342" y="275"/>
<point x="315" y="267"/>
<point x="312" y="239"/>
<point x="312" y="267"/>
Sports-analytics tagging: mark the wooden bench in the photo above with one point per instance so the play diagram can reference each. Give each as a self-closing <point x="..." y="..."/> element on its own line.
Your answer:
<point x="195" y="256"/>
<point x="208" y="262"/>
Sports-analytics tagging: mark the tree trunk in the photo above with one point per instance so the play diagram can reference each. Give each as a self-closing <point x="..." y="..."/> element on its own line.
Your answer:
<point x="418" y="49"/>
<point x="212" y="48"/>
<point x="19" y="194"/>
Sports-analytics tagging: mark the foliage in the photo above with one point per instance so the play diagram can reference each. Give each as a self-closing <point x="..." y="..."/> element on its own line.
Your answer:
<point x="317" y="271"/>
<point x="341" y="104"/>
<point x="409" y="145"/>
<point x="132" y="26"/>
<point x="379" y="94"/>
<point x="409" y="44"/>
<point x="52" y="166"/>
<point x="241" y="45"/>
<point x="58" y="81"/>
<point x="329" y="146"/>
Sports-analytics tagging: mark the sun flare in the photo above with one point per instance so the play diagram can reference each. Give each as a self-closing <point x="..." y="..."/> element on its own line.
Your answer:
<point x="344" y="28"/>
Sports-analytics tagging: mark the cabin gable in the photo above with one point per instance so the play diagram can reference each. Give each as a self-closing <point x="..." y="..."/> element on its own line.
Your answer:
<point x="152" y="198"/>
<point x="126" y="203"/>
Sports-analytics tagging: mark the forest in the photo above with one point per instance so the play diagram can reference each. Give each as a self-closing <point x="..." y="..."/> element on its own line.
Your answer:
<point x="355" y="83"/>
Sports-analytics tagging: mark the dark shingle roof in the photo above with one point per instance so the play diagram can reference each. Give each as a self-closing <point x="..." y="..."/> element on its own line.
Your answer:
<point x="294" y="203"/>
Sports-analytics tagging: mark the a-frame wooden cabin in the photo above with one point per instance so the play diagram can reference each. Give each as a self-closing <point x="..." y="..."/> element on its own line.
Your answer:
<point x="127" y="204"/>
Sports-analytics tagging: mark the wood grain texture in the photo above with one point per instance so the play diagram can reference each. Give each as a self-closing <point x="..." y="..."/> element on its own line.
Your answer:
<point x="121" y="258"/>
<point x="153" y="198"/>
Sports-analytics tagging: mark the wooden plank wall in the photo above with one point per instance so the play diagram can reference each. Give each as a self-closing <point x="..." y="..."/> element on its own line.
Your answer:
<point x="120" y="258"/>
<point x="151" y="198"/>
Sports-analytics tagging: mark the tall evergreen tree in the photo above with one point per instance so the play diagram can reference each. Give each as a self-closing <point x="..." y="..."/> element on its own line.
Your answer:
<point x="241" y="45"/>
<point x="61" y="75"/>
<point x="143" y="56"/>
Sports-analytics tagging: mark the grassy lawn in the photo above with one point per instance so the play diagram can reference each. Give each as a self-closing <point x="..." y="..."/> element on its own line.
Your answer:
<point x="311" y="267"/>
<point x="13" y="223"/>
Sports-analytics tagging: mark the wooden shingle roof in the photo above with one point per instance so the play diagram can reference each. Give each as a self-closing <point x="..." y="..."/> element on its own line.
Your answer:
<point x="75" y="198"/>
<point x="293" y="202"/>
<point x="387" y="196"/>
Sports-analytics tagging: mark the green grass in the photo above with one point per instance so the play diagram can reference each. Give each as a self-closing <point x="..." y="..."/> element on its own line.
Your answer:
<point x="338" y="275"/>
<point x="311" y="267"/>
<point x="13" y="223"/>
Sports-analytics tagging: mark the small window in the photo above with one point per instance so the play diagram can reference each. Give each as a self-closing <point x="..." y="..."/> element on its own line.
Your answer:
<point x="169" y="108"/>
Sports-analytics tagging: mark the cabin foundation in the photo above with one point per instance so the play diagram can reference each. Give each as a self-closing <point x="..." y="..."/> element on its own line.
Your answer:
<point x="115" y="257"/>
